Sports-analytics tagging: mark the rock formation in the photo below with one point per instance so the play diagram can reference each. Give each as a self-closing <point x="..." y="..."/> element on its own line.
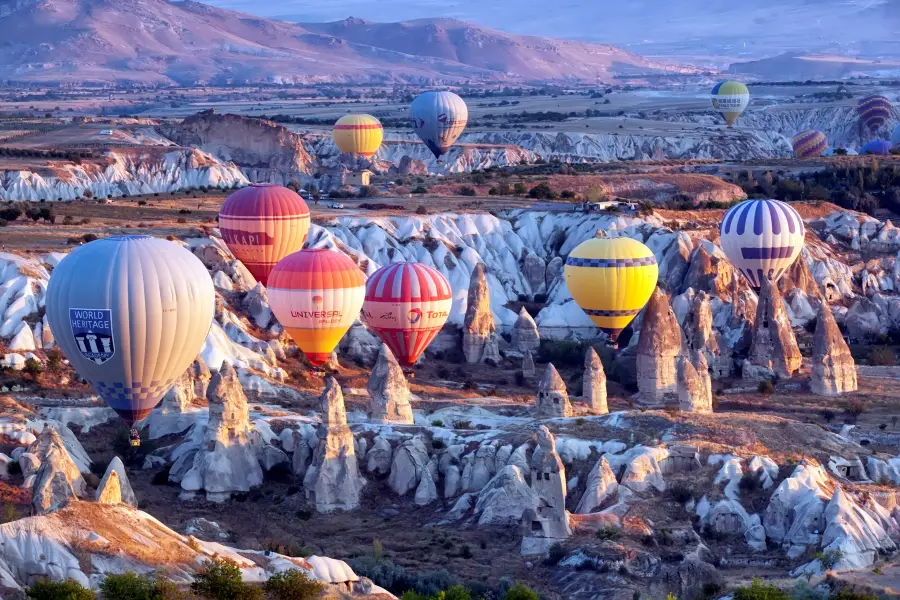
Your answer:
<point x="388" y="391"/>
<point x="700" y="335"/>
<point x="407" y="466"/>
<point x="773" y="348"/>
<point x="256" y="302"/>
<point x="600" y="489"/>
<point x="528" y="370"/>
<point x="657" y="350"/>
<point x="115" y="488"/>
<point x="534" y="270"/>
<point x="479" y="330"/>
<point x="593" y="383"/>
<point x="525" y="336"/>
<point x="694" y="390"/>
<point x="52" y="490"/>
<point x="333" y="481"/>
<point x="225" y="463"/>
<point x="552" y="397"/>
<point x="548" y="523"/>
<point x="49" y="448"/>
<point x="833" y="367"/>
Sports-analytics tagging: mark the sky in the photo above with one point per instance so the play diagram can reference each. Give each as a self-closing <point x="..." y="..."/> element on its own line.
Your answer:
<point x="759" y="23"/>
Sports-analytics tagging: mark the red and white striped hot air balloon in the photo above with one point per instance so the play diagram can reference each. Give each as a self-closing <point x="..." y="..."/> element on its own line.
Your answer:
<point x="261" y="224"/>
<point x="406" y="304"/>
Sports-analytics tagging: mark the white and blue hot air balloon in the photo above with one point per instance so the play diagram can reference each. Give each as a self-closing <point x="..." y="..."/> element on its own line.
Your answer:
<point x="438" y="118"/>
<point x="762" y="238"/>
<point x="131" y="314"/>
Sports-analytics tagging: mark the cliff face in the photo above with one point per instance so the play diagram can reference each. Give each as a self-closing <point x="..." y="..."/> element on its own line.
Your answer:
<point x="255" y="145"/>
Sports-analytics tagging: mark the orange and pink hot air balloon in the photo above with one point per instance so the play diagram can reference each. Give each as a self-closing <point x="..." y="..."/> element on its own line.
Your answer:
<point x="406" y="305"/>
<point x="316" y="295"/>
<point x="261" y="224"/>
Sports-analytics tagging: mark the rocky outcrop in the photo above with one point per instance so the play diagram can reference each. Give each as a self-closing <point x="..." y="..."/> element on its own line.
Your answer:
<point x="225" y="463"/>
<point x="593" y="383"/>
<point x="411" y="166"/>
<point x="700" y="335"/>
<point x="50" y="448"/>
<point x="388" y="391"/>
<point x="694" y="385"/>
<point x="256" y="303"/>
<point x="548" y="523"/>
<point x="552" y="397"/>
<point x="266" y="152"/>
<point x="479" y="330"/>
<point x="525" y="336"/>
<point x="52" y="490"/>
<point x="333" y="481"/>
<point x="833" y="367"/>
<point x="528" y="370"/>
<point x="115" y="488"/>
<point x="657" y="351"/>
<point x="408" y="465"/>
<point x="773" y="347"/>
<point x="505" y="498"/>
<point x="173" y="415"/>
<point x="601" y="488"/>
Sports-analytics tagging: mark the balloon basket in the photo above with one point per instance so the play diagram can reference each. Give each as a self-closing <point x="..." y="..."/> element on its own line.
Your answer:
<point x="135" y="438"/>
<point x="409" y="373"/>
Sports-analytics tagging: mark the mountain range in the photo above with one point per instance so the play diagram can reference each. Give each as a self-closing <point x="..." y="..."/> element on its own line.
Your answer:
<point x="163" y="43"/>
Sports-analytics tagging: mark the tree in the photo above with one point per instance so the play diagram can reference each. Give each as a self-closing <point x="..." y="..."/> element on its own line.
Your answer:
<point x="520" y="591"/>
<point x="519" y="189"/>
<point x="542" y="191"/>
<point x="292" y="585"/>
<point x="127" y="586"/>
<point x="33" y="368"/>
<point x="59" y="590"/>
<point x="220" y="579"/>
<point x="760" y="591"/>
<point x="595" y="193"/>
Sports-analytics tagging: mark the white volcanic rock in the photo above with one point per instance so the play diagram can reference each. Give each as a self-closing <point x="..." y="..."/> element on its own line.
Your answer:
<point x="505" y="497"/>
<point x="115" y="488"/>
<point x="388" y="391"/>
<point x="333" y="481"/>
<point x="593" y="383"/>
<point x="409" y="462"/>
<point x="657" y="350"/>
<point x="23" y="339"/>
<point x="378" y="458"/>
<point x="601" y="487"/>
<point x="256" y="302"/>
<point x="50" y="447"/>
<point x="479" y="330"/>
<point x="525" y="336"/>
<point x="225" y="463"/>
<point x="794" y="514"/>
<point x="773" y="345"/>
<point x="552" y="398"/>
<point x="834" y="370"/>
<point x="426" y="491"/>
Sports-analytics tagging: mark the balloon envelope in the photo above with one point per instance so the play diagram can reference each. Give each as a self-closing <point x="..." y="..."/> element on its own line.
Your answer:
<point x="730" y="99"/>
<point x="877" y="147"/>
<point x="263" y="223"/>
<point x="808" y="144"/>
<point x="762" y="238"/>
<point x="131" y="315"/>
<point x="873" y="111"/>
<point x="438" y="118"/>
<point x="406" y="305"/>
<point x="316" y="295"/>
<point x="358" y="134"/>
<point x="611" y="279"/>
<point x="895" y="137"/>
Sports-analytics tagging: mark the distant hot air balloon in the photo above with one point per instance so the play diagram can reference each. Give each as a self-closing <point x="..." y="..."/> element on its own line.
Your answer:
<point x="406" y="305"/>
<point x="316" y="295"/>
<point x="873" y="111"/>
<point x="762" y="238"/>
<point x="263" y="223"/>
<point x="358" y="134"/>
<point x="131" y="314"/>
<point x="438" y="118"/>
<point x="895" y="137"/>
<point x="808" y="144"/>
<point x="611" y="279"/>
<point x="730" y="98"/>
<point x="877" y="147"/>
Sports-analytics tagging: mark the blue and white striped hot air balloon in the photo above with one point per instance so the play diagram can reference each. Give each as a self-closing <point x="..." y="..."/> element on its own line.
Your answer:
<point x="762" y="238"/>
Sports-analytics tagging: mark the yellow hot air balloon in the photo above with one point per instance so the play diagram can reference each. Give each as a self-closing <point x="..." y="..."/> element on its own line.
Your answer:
<point x="316" y="295"/>
<point x="358" y="134"/>
<point x="611" y="279"/>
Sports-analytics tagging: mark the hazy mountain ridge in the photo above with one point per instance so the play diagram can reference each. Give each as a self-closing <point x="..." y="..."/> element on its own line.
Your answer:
<point x="161" y="42"/>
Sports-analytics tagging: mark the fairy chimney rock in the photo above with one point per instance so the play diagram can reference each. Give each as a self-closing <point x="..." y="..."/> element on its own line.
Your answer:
<point x="700" y="336"/>
<point x="549" y="522"/>
<point x="479" y="329"/>
<point x="525" y="336"/>
<point x="833" y="367"/>
<point x="528" y="370"/>
<point x="593" y="384"/>
<point x="388" y="391"/>
<point x="552" y="397"/>
<point x="658" y="348"/>
<point x="773" y="346"/>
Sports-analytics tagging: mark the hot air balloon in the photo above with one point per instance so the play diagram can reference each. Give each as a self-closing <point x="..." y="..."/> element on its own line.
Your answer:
<point x="316" y="295"/>
<point x="358" y="134"/>
<point x="895" y="137"/>
<point x="438" y="119"/>
<point x="873" y="111"/>
<point x="263" y="223"/>
<point x="877" y="147"/>
<point x="406" y="305"/>
<point x="611" y="279"/>
<point x="762" y="238"/>
<point x="730" y="98"/>
<point x="808" y="144"/>
<point x="131" y="314"/>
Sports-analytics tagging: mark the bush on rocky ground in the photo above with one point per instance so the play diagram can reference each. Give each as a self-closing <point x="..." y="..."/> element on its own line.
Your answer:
<point x="59" y="590"/>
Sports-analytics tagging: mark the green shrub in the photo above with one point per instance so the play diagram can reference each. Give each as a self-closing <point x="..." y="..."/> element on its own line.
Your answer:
<point x="33" y="368"/>
<point x="220" y="579"/>
<point x="760" y="591"/>
<point x="766" y="388"/>
<point x="128" y="586"/>
<point x="293" y="585"/>
<point x="437" y="423"/>
<point x="59" y="590"/>
<point x="850" y="594"/>
<point x="608" y="533"/>
<point x="882" y="357"/>
<point x="465" y="190"/>
<point x="520" y="591"/>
